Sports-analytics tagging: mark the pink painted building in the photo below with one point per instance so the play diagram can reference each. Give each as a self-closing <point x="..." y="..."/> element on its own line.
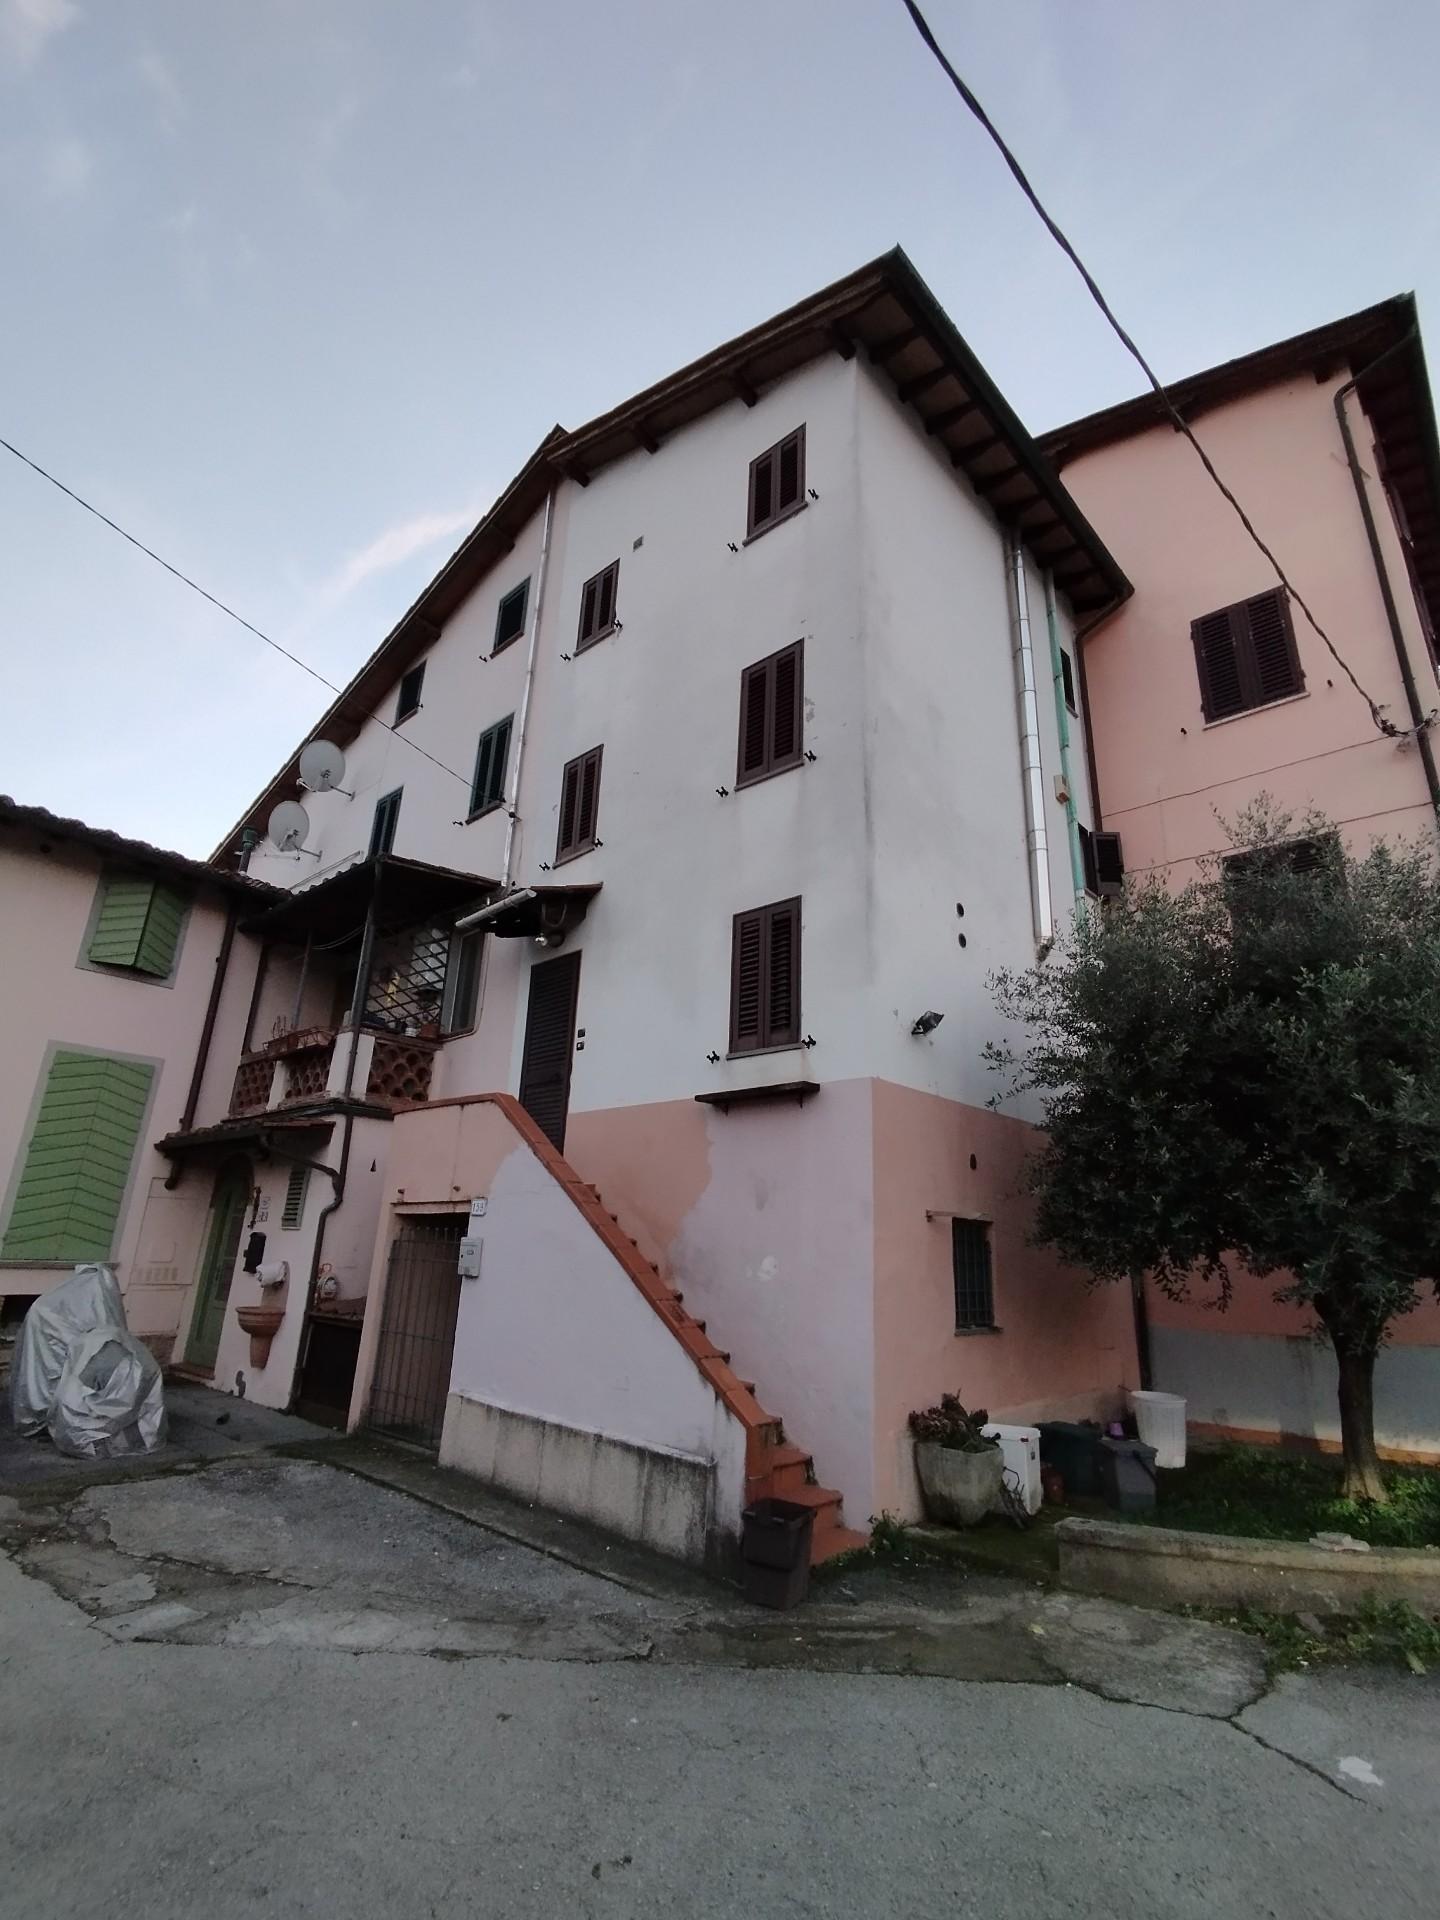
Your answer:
<point x="1208" y="688"/>
<point x="125" y="989"/>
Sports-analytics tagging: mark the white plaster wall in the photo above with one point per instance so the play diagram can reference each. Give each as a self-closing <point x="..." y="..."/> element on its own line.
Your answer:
<point x="464" y="691"/>
<point x="662" y="696"/>
<point x="556" y="1330"/>
<point x="945" y="814"/>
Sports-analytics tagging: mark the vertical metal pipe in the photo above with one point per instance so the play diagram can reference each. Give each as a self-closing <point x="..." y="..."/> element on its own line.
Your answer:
<point x="522" y="722"/>
<point x="361" y="993"/>
<point x="300" y="983"/>
<point x="1062" y="725"/>
<point x="1032" y="772"/>
<point x="1418" y="720"/>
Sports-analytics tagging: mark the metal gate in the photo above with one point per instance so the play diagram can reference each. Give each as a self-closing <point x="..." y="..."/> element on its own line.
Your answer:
<point x="417" y="1330"/>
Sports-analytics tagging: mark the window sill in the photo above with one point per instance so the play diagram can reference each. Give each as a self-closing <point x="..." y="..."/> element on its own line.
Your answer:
<point x="797" y="1090"/>
<point x="137" y="974"/>
<point x="584" y="646"/>
<point x="970" y="1333"/>
<point x="778" y="520"/>
<point x="401" y="718"/>
<point x="575" y="853"/>
<point x="758" y="1053"/>
<point x="1266" y="706"/>
<point x="501" y="645"/>
<point x="491" y="806"/>
<point x="758" y="779"/>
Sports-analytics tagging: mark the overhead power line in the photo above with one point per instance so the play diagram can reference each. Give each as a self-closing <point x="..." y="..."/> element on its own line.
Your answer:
<point x="195" y="587"/>
<point x="922" y="26"/>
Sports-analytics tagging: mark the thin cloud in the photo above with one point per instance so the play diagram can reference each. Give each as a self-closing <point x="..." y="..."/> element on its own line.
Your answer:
<point x="158" y="77"/>
<point x="67" y="165"/>
<point x="392" y="548"/>
<point x="27" y="26"/>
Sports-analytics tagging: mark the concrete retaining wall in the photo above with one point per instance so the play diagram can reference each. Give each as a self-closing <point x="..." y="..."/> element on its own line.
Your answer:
<point x="663" y="1500"/>
<point x="1165" y="1567"/>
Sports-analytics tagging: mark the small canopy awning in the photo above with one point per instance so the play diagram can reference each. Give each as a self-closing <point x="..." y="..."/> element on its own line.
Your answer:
<point x="254" y="1131"/>
<point x="410" y="892"/>
<point x="533" y="912"/>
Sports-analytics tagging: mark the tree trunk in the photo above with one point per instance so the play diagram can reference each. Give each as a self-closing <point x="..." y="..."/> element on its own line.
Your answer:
<point x="1357" y="1419"/>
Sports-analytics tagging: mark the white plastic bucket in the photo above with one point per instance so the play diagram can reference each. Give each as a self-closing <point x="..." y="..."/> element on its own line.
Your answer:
<point x="1020" y="1450"/>
<point x="1160" y="1418"/>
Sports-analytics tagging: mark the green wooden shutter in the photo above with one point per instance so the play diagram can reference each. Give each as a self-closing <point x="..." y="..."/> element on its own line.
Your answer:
<point x="78" y="1162"/>
<point x="138" y="926"/>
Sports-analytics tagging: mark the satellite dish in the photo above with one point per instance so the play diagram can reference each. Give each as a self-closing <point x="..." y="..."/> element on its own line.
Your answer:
<point x="288" y="825"/>
<point x="322" y="767"/>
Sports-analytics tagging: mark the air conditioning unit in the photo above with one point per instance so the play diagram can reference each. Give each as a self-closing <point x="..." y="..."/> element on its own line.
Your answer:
<point x="1109" y="863"/>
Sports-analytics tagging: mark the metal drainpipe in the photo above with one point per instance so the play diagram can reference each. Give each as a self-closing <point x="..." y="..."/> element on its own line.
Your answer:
<point x="332" y="1205"/>
<point x="212" y="1008"/>
<point x="513" y="809"/>
<point x="1031" y="770"/>
<point x="361" y="992"/>
<point x="1062" y="723"/>
<point x="1392" y="614"/>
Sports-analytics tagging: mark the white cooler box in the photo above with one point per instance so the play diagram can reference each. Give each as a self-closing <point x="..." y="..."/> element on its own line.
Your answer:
<point x="1160" y="1421"/>
<point x="1020" y="1450"/>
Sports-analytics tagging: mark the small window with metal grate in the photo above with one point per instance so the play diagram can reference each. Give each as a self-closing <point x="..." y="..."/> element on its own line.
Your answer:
<point x="974" y="1282"/>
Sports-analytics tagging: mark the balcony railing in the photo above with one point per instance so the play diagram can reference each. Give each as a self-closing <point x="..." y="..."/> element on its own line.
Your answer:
<point x="401" y="1068"/>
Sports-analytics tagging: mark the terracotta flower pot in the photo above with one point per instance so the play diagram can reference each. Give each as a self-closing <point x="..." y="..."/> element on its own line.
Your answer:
<point x="262" y="1324"/>
<point x="958" y="1488"/>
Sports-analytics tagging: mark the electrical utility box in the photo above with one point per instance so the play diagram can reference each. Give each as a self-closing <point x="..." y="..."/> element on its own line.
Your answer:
<point x="469" y="1266"/>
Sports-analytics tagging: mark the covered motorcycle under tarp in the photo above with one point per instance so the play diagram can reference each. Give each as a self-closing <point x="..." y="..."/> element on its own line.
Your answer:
<point x="81" y="1375"/>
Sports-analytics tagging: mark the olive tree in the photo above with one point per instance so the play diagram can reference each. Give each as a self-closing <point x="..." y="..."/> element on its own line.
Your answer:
<point x="1241" y="1083"/>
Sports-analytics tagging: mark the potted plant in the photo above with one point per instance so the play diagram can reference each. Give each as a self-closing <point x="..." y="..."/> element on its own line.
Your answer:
<point x="960" y="1467"/>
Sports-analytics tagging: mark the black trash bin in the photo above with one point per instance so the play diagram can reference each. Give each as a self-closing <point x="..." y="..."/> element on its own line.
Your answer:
<point x="775" y="1552"/>
<point x="1127" y="1475"/>
<point x="1070" y="1446"/>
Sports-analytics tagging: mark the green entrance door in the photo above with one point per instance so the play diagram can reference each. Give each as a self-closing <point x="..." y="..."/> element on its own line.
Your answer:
<point x="227" y="1221"/>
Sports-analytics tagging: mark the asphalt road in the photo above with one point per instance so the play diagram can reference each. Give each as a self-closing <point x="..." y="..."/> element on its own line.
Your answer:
<point x="270" y="1687"/>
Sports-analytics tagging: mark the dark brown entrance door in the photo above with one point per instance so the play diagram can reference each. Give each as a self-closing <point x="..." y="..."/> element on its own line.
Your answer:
<point x="550" y="1044"/>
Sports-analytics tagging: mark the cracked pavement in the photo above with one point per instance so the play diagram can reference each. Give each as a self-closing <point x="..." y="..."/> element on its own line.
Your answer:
<point x="351" y="1682"/>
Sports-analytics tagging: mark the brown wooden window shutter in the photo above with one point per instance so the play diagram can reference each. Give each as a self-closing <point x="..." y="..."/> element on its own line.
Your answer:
<point x="771" y="710"/>
<point x="1246" y="656"/>
<point x="765" y="978"/>
<point x="777" y="483"/>
<point x="487" y="789"/>
<point x="510" y="616"/>
<point x="597" y="606"/>
<point x="407" y="698"/>
<point x="579" y="805"/>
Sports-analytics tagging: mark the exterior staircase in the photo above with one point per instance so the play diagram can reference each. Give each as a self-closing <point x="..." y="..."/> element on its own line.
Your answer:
<point x="774" y="1467"/>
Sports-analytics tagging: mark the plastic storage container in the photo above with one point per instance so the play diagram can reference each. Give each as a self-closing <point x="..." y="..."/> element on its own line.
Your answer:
<point x="1160" y="1418"/>
<point x="1020" y="1450"/>
<point x="775" y="1552"/>
<point x="1127" y="1475"/>
<point x="1070" y="1446"/>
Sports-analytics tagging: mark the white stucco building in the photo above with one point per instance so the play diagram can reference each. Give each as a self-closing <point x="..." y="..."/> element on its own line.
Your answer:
<point x="744" y="744"/>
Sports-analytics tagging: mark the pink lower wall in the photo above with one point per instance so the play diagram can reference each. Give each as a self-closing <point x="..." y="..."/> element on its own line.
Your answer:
<point x="762" y="1217"/>
<point x="1064" y="1350"/>
<point x="1253" y="1309"/>
<point x="800" y="1235"/>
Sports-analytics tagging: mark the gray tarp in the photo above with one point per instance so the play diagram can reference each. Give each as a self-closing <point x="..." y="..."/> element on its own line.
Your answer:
<point x="79" y="1372"/>
<point x="90" y="1298"/>
<point x="110" y="1399"/>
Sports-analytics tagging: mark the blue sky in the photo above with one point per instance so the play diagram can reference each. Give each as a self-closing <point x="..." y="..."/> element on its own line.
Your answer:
<point x="292" y="287"/>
